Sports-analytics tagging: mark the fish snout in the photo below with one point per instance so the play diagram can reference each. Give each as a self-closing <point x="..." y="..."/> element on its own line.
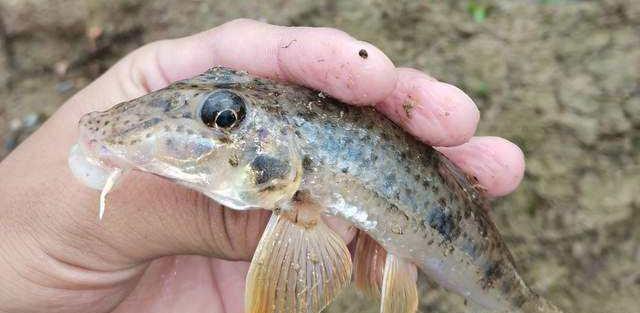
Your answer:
<point x="92" y="133"/>
<point x="93" y="124"/>
<point x="100" y="138"/>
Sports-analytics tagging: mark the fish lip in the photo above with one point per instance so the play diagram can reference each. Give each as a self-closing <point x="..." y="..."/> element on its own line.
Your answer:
<point x="101" y="154"/>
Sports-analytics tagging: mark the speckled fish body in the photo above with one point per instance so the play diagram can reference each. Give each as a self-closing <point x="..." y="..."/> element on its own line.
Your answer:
<point x="352" y="161"/>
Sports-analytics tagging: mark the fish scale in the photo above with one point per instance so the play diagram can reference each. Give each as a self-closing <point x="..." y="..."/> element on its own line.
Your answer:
<point x="413" y="195"/>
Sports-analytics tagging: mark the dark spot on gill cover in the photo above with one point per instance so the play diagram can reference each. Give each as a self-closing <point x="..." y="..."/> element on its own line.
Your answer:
<point x="267" y="168"/>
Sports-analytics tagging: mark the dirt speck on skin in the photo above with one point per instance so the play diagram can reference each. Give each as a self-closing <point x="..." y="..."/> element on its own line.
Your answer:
<point x="408" y="106"/>
<point x="289" y="44"/>
<point x="558" y="78"/>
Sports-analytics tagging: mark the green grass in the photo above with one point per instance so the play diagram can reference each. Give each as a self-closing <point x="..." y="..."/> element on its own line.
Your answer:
<point x="478" y="10"/>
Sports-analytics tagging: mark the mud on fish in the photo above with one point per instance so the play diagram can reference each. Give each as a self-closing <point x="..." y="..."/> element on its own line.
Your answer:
<point x="252" y="143"/>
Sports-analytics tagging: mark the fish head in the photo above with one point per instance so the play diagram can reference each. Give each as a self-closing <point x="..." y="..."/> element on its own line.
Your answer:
<point x="217" y="133"/>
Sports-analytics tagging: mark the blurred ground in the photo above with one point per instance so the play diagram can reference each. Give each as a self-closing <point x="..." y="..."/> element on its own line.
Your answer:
<point x="560" y="78"/>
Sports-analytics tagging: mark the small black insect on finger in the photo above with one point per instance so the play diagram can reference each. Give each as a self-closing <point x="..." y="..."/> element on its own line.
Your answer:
<point x="363" y="53"/>
<point x="267" y="168"/>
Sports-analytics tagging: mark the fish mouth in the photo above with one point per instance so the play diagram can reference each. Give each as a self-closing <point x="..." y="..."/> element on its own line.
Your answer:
<point x="100" y="154"/>
<point x="109" y="146"/>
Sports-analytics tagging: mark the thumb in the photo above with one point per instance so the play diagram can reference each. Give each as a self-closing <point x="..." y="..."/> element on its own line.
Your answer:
<point x="57" y="256"/>
<point x="147" y="217"/>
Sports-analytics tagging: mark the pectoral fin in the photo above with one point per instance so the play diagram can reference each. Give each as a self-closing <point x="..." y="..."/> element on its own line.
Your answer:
<point x="399" y="289"/>
<point x="300" y="265"/>
<point x="368" y="265"/>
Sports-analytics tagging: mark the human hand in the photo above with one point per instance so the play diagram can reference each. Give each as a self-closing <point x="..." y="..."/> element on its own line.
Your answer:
<point x="57" y="258"/>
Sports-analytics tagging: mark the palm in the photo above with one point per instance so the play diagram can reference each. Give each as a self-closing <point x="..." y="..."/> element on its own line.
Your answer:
<point x="189" y="284"/>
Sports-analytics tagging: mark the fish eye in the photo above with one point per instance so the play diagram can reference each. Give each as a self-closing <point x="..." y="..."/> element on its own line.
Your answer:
<point x="222" y="109"/>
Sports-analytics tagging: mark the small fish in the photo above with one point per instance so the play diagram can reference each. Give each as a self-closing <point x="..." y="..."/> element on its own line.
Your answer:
<point x="251" y="143"/>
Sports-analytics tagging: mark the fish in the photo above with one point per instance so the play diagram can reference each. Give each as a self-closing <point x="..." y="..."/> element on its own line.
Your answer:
<point x="253" y="143"/>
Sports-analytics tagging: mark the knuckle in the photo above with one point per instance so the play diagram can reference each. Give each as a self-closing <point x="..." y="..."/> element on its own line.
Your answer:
<point x="239" y="22"/>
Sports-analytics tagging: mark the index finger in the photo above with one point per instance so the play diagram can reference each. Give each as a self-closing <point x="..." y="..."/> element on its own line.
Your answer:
<point x="320" y="58"/>
<point x="325" y="59"/>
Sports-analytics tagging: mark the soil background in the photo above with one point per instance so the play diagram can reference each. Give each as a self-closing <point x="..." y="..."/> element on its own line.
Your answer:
<point x="559" y="78"/>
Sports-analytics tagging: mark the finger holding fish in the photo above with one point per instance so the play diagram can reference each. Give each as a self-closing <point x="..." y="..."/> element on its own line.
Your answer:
<point x="437" y="113"/>
<point x="497" y="163"/>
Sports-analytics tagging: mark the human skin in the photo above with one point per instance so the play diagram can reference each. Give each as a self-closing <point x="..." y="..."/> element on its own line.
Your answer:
<point x="162" y="247"/>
